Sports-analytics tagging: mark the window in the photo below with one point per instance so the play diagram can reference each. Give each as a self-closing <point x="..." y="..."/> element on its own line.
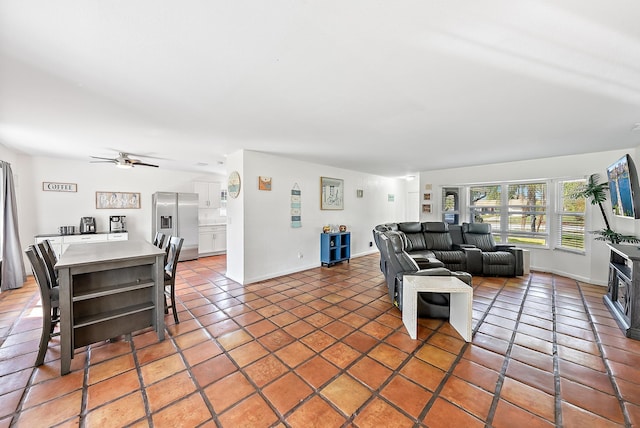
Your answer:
<point x="485" y="203"/>
<point x="451" y="205"/>
<point x="517" y="212"/>
<point x="570" y="216"/>
<point x="527" y="209"/>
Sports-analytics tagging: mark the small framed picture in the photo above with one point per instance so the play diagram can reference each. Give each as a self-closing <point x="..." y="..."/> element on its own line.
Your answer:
<point x="426" y="208"/>
<point x="264" y="183"/>
<point x="331" y="193"/>
<point x="427" y="196"/>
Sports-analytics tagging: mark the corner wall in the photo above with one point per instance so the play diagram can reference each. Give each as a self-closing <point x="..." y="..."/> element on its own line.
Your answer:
<point x="271" y="247"/>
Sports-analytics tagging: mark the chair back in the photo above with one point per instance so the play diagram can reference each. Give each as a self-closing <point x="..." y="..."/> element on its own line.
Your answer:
<point x="173" y="253"/>
<point x="377" y="231"/>
<point x="479" y="234"/>
<point x="437" y="236"/>
<point x="49" y="299"/>
<point x="158" y="241"/>
<point x="400" y="260"/>
<point x="45" y="257"/>
<point x="52" y="254"/>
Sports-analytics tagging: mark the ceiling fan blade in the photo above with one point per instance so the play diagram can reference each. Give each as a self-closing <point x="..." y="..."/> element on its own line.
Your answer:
<point x="104" y="159"/>
<point x="136" y="163"/>
<point x="123" y="160"/>
<point x="136" y="155"/>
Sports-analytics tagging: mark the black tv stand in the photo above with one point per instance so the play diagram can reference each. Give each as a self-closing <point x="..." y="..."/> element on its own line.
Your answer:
<point x="623" y="292"/>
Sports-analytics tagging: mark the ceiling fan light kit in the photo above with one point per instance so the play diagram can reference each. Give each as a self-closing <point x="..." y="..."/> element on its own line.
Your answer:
<point x="123" y="165"/>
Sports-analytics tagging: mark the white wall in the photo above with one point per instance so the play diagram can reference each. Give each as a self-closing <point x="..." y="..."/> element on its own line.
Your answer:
<point x="42" y="212"/>
<point x="590" y="267"/>
<point x="271" y="246"/>
<point x="236" y="222"/>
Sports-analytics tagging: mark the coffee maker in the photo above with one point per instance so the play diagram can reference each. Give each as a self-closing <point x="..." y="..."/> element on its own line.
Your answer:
<point x="87" y="225"/>
<point x="117" y="223"/>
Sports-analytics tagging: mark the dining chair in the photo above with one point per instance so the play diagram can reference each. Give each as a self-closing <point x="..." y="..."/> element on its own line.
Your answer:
<point x="50" y="302"/>
<point x="165" y="247"/>
<point x="49" y="263"/>
<point x="50" y="251"/>
<point x="173" y="253"/>
<point x="158" y="241"/>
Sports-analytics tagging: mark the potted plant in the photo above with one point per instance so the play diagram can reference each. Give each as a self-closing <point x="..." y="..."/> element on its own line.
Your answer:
<point x="597" y="193"/>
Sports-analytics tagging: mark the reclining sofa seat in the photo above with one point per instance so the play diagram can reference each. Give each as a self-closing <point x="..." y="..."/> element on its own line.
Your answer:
<point x="400" y="263"/>
<point x="432" y="240"/>
<point x="376" y="238"/>
<point x="497" y="259"/>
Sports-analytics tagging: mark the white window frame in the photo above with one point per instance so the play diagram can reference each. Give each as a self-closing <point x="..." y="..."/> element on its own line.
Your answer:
<point x="559" y="213"/>
<point x="501" y="234"/>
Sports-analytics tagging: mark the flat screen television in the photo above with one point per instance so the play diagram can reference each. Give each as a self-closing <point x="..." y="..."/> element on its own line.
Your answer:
<point x="623" y="188"/>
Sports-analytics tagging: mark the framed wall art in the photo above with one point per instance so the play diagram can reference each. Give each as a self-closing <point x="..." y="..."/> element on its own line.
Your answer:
<point x="117" y="200"/>
<point x="49" y="186"/>
<point x="296" y="207"/>
<point x="331" y="193"/>
<point x="264" y="183"/>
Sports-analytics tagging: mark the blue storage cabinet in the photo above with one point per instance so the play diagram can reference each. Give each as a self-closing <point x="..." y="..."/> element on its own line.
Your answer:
<point x="334" y="248"/>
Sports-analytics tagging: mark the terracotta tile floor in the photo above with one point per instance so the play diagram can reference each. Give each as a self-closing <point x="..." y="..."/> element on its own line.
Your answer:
<point x="325" y="348"/>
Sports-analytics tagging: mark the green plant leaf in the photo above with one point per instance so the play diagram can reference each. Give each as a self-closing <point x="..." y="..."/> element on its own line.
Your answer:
<point x="614" y="237"/>
<point x="593" y="190"/>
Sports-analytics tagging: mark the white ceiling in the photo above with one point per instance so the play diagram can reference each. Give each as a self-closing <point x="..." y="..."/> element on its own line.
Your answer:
<point x="381" y="86"/>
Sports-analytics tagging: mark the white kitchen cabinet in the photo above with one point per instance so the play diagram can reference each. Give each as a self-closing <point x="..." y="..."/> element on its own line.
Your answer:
<point x="118" y="236"/>
<point x="208" y="194"/>
<point x="212" y="240"/>
<point x="89" y="237"/>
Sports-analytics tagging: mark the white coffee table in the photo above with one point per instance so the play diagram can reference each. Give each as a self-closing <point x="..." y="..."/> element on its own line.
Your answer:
<point x="460" y="303"/>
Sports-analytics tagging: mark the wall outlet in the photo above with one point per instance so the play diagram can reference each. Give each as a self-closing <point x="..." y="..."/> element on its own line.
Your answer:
<point x="370" y="243"/>
<point x="300" y="255"/>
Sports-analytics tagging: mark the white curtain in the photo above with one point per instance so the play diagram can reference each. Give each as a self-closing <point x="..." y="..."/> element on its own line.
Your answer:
<point x="13" y="273"/>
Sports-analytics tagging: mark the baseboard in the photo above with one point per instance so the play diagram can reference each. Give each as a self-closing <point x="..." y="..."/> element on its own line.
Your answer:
<point x="298" y="269"/>
<point x="570" y="275"/>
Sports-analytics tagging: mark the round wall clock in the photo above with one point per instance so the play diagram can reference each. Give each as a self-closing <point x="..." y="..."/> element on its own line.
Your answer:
<point x="233" y="184"/>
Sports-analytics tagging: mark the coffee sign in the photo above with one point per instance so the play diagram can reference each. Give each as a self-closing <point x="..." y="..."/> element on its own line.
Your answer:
<point x="48" y="186"/>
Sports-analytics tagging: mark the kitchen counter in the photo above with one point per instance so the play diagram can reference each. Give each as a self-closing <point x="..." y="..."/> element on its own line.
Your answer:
<point x="60" y="243"/>
<point x="51" y="235"/>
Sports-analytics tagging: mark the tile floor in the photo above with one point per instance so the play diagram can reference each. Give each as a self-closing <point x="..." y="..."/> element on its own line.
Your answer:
<point x="324" y="348"/>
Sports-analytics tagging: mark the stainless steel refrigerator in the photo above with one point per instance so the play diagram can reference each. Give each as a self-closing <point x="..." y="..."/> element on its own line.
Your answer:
<point x="176" y="214"/>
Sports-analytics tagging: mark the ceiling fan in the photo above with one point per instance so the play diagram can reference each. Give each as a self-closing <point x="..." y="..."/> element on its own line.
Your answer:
<point x="123" y="161"/>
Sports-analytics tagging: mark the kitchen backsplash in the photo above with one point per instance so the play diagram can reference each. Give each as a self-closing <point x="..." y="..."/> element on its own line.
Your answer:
<point x="210" y="216"/>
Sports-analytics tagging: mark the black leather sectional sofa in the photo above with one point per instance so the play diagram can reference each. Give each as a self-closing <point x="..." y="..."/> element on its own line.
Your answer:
<point x="396" y="263"/>
<point x="469" y="247"/>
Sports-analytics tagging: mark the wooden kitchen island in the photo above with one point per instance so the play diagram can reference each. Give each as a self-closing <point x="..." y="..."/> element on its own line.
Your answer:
<point x="108" y="289"/>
